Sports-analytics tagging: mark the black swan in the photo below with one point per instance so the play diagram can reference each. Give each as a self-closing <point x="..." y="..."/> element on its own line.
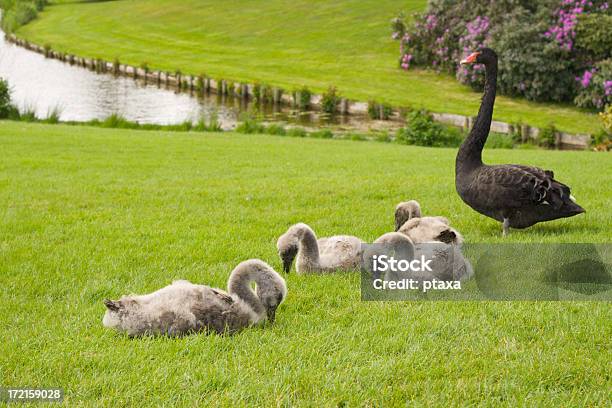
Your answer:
<point x="518" y="196"/>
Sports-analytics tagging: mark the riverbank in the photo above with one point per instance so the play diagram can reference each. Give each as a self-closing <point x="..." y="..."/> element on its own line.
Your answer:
<point x="273" y="99"/>
<point x="286" y="46"/>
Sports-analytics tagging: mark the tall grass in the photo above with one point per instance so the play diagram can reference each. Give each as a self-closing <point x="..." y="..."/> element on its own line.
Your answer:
<point x="28" y="113"/>
<point x="210" y="124"/>
<point x="53" y="115"/>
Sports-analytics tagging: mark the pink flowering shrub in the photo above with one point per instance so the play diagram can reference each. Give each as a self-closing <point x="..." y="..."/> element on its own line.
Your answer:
<point x="595" y="86"/>
<point x="548" y="49"/>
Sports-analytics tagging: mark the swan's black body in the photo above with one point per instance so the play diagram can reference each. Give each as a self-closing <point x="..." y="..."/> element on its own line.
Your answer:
<point x="519" y="196"/>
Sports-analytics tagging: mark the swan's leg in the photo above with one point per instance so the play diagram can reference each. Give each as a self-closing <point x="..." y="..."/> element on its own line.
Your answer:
<point x="506" y="226"/>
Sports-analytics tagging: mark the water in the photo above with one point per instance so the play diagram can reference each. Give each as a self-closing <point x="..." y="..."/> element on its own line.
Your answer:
<point x="43" y="85"/>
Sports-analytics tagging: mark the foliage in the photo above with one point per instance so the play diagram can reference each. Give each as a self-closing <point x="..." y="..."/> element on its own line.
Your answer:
<point x="301" y="98"/>
<point x="499" y="141"/>
<point x="595" y="86"/>
<point x="276" y="129"/>
<point x="16" y="13"/>
<point x="330" y="100"/>
<point x="543" y="46"/>
<point x="603" y="139"/>
<point x="606" y="119"/>
<point x="53" y="115"/>
<point x="210" y="125"/>
<point x="548" y="136"/>
<point x="5" y="99"/>
<point x="250" y="124"/>
<point x="322" y="134"/>
<point x="297" y="132"/>
<point x="262" y="93"/>
<point x="421" y="130"/>
<point x="594" y="36"/>
<point x="380" y="111"/>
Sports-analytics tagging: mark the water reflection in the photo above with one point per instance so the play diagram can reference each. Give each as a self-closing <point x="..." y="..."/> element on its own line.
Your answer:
<point x="42" y="85"/>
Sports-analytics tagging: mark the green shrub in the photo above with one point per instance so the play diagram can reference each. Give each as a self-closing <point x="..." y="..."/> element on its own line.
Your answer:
<point x="594" y="36"/>
<point x="548" y="136"/>
<point x="542" y="45"/>
<point x="24" y="12"/>
<point x="249" y="124"/>
<point x="262" y="93"/>
<point x="184" y="126"/>
<point x="231" y="88"/>
<point x="499" y="141"/>
<point x="276" y="129"/>
<point x="421" y="130"/>
<point x="378" y="111"/>
<point x="603" y="139"/>
<point x="322" y="134"/>
<point x="606" y="119"/>
<point x="16" y="14"/>
<point x="5" y="99"/>
<point x="383" y="137"/>
<point x="28" y="114"/>
<point x="301" y="98"/>
<point x="40" y="4"/>
<point x="53" y="115"/>
<point x="595" y="86"/>
<point x="330" y="100"/>
<point x="540" y="72"/>
<point x="214" y="125"/>
<point x="297" y="132"/>
<point x="117" y="121"/>
<point x="358" y="137"/>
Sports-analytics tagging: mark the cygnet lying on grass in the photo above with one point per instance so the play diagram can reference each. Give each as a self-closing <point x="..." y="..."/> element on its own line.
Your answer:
<point x="409" y="221"/>
<point x="447" y="261"/>
<point x="184" y="307"/>
<point x="337" y="253"/>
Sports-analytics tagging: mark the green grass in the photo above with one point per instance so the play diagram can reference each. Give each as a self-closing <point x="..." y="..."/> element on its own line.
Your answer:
<point x="318" y="43"/>
<point x="89" y="213"/>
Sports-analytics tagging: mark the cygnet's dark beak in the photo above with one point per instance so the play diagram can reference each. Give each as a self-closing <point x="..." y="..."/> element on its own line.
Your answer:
<point x="287" y="257"/>
<point x="272" y="314"/>
<point x="447" y="236"/>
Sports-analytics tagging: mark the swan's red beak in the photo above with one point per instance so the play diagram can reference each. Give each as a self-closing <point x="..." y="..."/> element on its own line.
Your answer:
<point x="470" y="59"/>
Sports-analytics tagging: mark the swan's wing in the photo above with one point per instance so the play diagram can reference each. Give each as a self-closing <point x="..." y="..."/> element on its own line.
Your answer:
<point x="341" y="251"/>
<point x="222" y="296"/>
<point x="518" y="186"/>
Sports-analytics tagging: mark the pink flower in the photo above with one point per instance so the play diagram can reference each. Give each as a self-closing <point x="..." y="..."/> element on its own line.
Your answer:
<point x="585" y="81"/>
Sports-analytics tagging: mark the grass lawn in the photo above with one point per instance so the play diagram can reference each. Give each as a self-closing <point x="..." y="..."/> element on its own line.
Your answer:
<point x="303" y="42"/>
<point x="89" y="213"/>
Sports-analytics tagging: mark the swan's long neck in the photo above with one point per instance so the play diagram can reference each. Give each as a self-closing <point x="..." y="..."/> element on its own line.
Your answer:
<point x="240" y="285"/>
<point x="309" y="248"/>
<point x="470" y="152"/>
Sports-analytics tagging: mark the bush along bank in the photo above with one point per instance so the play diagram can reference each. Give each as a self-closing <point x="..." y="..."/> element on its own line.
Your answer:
<point x="549" y="51"/>
<point x="330" y="103"/>
<point x="421" y="129"/>
<point x="16" y="13"/>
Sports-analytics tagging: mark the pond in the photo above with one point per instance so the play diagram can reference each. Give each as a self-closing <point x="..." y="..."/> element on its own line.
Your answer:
<point x="43" y="85"/>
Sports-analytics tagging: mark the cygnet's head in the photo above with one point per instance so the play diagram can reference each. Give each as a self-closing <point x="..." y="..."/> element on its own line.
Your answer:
<point x="406" y="211"/>
<point x="288" y="244"/>
<point x="431" y="229"/>
<point x="271" y="287"/>
<point x="118" y="311"/>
